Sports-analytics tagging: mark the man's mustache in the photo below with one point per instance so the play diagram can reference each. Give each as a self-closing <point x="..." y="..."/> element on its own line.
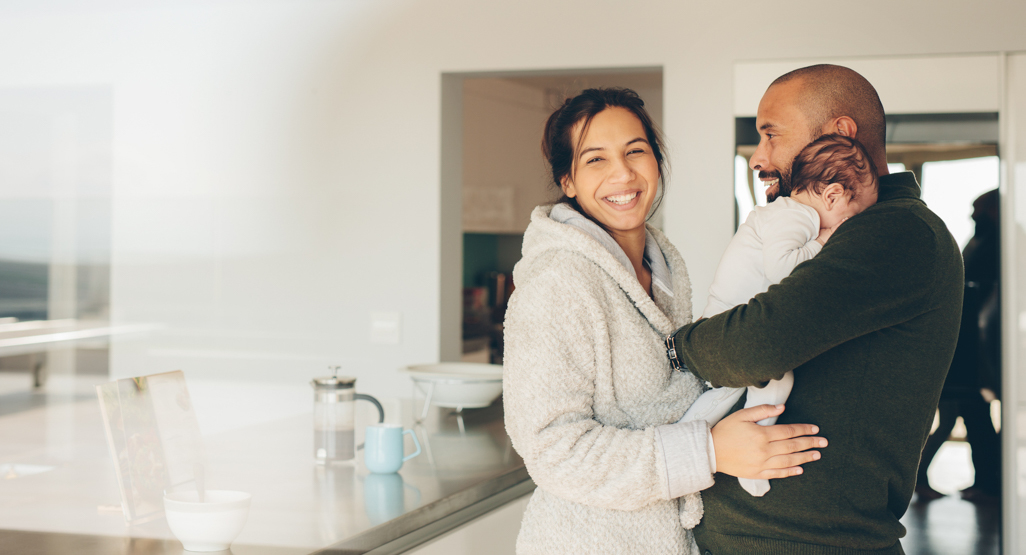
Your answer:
<point x="769" y="175"/>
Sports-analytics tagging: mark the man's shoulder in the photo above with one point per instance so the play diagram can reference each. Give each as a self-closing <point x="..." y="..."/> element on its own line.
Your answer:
<point x="910" y="217"/>
<point x="898" y="238"/>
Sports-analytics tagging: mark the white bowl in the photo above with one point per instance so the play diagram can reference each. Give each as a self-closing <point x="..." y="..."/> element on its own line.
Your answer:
<point x="208" y="526"/>
<point x="459" y="385"/>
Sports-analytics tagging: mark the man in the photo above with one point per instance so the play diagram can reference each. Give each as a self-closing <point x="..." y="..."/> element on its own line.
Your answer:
<point x="868" y="326"/>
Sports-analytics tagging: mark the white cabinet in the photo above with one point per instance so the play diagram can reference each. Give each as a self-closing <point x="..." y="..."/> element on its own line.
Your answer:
<point x="494" y="533"/>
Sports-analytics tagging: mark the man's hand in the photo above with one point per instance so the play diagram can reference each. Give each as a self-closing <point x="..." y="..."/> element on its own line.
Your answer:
<point x="748" y="450"/>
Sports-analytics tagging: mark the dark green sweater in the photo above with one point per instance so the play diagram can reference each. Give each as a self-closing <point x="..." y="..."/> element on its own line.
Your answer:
<point x="869" y="327"/>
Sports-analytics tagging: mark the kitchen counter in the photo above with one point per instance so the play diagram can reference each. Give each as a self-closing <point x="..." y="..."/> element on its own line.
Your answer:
<point x="60" y="491"/>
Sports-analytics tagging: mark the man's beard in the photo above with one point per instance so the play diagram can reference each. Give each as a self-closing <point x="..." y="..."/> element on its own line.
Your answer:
<point x="773" y="191"/>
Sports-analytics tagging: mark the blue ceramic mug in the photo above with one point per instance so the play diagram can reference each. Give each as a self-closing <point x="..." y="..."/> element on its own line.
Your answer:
<point x="383" y="449"/>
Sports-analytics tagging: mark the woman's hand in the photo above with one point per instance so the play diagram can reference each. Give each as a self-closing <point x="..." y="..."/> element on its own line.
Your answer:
<point x="748" y="450"/>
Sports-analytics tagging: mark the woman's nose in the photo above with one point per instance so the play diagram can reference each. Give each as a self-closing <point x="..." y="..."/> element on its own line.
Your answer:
<point x="621" y="171"/>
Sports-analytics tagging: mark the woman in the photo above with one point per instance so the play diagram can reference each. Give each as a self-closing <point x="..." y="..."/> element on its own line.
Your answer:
<point x="591" y="401"/>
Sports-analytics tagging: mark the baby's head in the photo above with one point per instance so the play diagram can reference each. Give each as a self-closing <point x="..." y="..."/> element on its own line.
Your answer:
<point x="834" y="175"/>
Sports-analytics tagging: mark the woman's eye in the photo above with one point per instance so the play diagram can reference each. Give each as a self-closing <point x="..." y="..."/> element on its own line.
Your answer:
<point x="637" y="151"/>
<point x="595" y="159"/>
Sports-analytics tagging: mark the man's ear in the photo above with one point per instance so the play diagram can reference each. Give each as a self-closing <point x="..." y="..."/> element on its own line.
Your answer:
<point x="843" y="125"/>
<point x="568" y="186"/>
<point x="833" y="193"/>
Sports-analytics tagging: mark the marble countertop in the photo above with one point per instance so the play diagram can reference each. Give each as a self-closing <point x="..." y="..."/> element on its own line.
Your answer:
<point x="59" y="493"/>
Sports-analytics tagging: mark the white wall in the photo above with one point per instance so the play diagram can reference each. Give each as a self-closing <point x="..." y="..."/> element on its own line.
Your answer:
<point x="907" y="85"/>
<point x="276" y="163"/>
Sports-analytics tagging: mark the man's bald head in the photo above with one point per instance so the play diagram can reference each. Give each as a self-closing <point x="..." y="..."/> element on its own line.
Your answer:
<point x="829" y="92"/>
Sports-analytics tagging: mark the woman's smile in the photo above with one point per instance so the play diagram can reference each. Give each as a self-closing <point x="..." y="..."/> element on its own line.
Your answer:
<point x="623" y="201"/>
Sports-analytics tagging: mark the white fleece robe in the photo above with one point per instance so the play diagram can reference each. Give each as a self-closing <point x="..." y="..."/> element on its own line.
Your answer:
<point x="591" y="401"/>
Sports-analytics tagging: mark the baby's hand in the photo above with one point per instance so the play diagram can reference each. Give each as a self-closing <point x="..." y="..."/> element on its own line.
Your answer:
<point x="824" y="234"/>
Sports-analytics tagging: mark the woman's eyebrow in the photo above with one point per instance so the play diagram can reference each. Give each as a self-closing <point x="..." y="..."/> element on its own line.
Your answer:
<point x="630" y="142"/>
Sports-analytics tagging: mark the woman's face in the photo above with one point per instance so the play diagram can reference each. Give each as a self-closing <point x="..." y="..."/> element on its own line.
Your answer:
<point x="616" y="175"/>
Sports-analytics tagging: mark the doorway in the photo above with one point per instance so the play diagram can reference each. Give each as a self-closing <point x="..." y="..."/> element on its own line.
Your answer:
<point x="493" y="170"/>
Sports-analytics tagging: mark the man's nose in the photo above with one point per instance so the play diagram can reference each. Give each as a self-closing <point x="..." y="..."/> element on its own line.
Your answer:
<point x="758" y="160"/>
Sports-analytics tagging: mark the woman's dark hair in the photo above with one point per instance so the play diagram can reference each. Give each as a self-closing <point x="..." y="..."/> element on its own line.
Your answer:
<point x="831" y="159"/>
<point x="559" y="147"/>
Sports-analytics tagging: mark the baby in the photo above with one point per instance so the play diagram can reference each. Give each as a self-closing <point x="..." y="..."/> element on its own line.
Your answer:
<point x="832" y="179"/>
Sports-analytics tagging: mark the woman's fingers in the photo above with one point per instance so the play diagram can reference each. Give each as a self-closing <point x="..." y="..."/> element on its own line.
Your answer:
<point x="757" y="413"/>
<point x="796" y="445"/>
<point x="784" y="466"/>
<point x="780" y="473"/>
<point x="787" y="455"/>
<point x="779" y="432"/>
<point x="792" y="457"/>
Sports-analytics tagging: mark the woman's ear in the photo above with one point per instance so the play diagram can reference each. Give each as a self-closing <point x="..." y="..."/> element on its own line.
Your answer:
<point x="833" y="193"/>
<point x="568" y="186"/>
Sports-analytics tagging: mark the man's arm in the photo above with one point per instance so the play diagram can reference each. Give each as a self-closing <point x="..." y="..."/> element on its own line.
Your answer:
<point x="878" y="270"/>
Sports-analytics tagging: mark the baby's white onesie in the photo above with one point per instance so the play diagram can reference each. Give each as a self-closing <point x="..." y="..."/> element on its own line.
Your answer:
<point x="773" y="240"/>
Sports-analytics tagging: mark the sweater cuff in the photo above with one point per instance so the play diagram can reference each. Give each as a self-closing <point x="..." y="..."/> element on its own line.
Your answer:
<point x="711" y="452"/>
<point x="686" y="449"/>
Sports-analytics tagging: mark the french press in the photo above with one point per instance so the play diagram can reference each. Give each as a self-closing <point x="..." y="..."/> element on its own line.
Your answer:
<point x="335" y="417"/>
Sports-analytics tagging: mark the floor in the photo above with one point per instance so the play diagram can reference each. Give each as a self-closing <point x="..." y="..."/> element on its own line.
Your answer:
<point x="951" y="525"/>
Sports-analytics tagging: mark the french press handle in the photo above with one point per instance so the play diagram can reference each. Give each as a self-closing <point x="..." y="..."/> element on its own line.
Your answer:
<point x="363" y="397"/>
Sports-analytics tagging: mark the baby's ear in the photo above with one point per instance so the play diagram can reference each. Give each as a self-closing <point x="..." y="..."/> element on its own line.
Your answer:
<point x="833" y="193"/>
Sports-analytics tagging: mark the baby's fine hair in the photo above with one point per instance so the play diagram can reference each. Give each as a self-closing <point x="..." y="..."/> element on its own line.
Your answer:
<point x="832" y="159"/>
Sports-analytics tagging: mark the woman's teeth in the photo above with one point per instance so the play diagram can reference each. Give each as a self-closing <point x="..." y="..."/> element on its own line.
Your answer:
<point x="622" y="199"/>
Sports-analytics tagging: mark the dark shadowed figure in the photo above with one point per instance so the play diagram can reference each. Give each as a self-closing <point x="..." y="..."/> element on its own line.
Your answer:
<point x="975" y="371"/>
